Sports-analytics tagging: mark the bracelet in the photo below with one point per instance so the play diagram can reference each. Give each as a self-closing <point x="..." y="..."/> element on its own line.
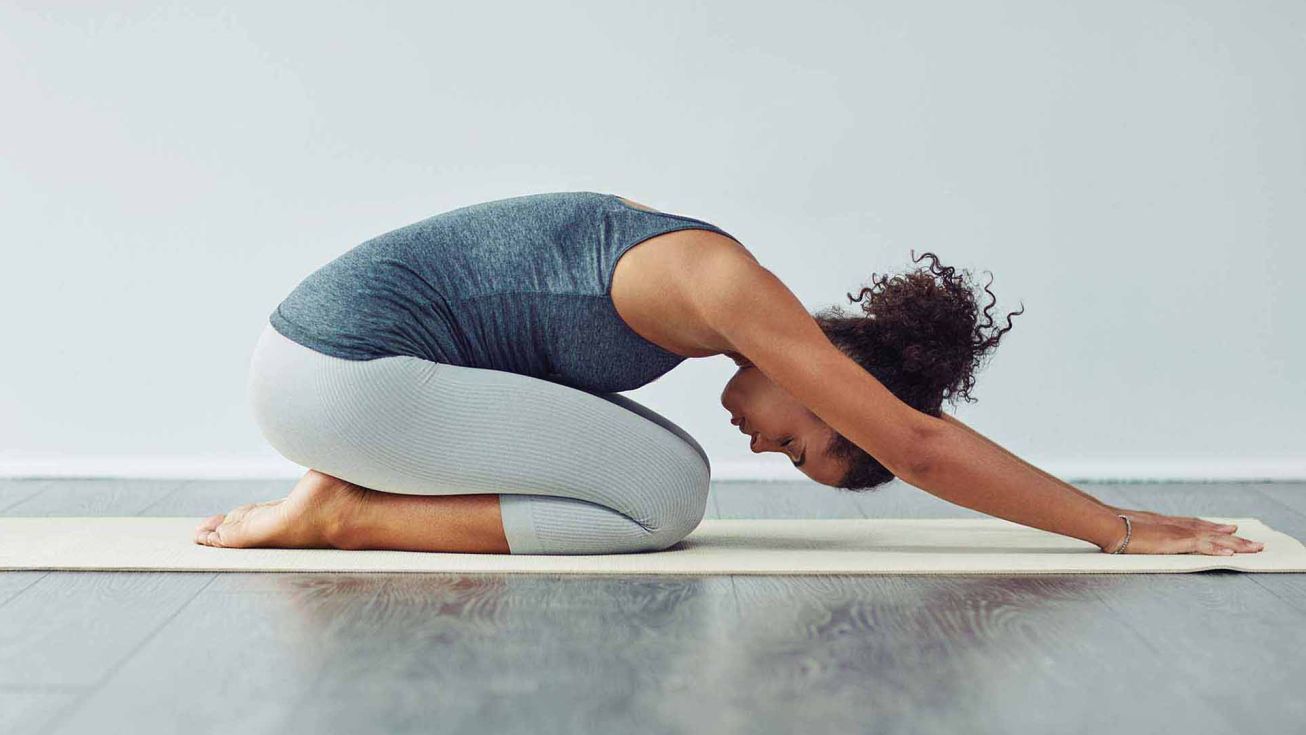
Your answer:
<point x="1129" y="531"/>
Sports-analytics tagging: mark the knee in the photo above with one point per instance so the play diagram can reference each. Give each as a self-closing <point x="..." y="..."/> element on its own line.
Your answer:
<point x="684" y="508"/>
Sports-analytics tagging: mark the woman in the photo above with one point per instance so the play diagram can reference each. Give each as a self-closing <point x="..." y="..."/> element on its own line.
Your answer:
<point x="453" y="384"/>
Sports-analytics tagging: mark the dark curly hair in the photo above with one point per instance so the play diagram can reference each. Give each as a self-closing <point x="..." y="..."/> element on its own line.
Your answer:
<point x="919" y="335"/>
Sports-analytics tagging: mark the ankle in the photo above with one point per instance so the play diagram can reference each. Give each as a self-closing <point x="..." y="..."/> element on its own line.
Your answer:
<point x="341" y="515"/>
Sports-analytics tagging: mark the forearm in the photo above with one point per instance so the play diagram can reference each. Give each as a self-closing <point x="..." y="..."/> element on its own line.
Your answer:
<point x="954" y="421"/>
<point x="967" y="469"/>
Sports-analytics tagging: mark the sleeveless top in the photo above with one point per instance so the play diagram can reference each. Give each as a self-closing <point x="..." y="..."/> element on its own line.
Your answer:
<point x="521" y="284"/>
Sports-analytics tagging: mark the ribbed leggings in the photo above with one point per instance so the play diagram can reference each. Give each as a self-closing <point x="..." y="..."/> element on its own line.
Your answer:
<point x="576" y="472"/>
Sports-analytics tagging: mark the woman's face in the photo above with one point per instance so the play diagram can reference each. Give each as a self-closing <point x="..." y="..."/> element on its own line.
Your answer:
<point x="776" y="422"/>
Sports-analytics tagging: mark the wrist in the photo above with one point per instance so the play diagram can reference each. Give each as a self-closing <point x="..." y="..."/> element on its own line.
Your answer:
<point x="1121" y="539"/>
<point x="1112" y="533"/>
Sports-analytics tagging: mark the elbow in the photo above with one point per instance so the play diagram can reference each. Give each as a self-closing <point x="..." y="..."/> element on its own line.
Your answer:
<point x="921" y="459"/>
<point x="916" y="471"/>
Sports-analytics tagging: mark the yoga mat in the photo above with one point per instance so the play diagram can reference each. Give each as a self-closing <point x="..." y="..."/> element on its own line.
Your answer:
<point x="790" y="546"/>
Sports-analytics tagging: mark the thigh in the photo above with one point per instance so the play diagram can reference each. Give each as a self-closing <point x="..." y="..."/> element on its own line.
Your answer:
<point x="634" y="406"/>
<point x="408" y="425"/>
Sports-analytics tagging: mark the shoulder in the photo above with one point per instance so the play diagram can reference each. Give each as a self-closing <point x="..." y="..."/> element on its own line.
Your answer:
<point x="713" y="276"/>
<point x="733" y="293"/>
<point x="685" y="260"/>
<point x="665" y="292"/>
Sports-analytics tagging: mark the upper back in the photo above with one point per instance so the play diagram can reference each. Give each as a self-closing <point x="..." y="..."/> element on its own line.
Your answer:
<point x="520" y="284"/>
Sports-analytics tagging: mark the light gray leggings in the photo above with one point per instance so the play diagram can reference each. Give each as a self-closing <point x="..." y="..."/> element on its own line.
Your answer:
<point x="576" y="472"/>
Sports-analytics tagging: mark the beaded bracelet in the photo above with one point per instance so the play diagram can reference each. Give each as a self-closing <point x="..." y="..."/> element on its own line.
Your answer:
<point x="1129" y="530"/>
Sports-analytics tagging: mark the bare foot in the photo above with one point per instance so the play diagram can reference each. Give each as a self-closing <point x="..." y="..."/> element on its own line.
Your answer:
<point x="309" y="518"/>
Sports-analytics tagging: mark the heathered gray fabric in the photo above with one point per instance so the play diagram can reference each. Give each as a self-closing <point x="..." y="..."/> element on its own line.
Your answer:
<point x="576" y="473"/>
<point x="520" y="284"/>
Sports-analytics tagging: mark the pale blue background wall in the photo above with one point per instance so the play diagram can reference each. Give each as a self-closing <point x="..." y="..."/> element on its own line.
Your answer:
<point x="1133" y="172"/>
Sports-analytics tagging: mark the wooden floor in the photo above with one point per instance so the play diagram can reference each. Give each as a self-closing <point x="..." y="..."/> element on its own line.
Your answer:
<point x="1210" y="652"/>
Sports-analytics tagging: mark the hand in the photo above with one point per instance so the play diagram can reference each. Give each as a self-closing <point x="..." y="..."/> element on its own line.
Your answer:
<point x="1151" y="537"/>
<point x="1197" y="524"/>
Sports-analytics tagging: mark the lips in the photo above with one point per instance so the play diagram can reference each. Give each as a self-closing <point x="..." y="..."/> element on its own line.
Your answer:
<point x="752" y="435"/>
<point x="742" y="423"/>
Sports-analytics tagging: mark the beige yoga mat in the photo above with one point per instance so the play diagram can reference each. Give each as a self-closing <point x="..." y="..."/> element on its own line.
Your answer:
<point x="790" y="546"/>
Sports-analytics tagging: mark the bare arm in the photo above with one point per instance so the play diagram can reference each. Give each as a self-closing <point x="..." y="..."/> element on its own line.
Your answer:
<point x="1197" y="524"/>
<point x="953" y="420"/>
<point x="760" y="318"/>
<point x="971" y="471"/>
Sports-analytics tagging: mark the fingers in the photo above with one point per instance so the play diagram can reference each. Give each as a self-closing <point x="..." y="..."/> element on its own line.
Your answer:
<point x="1173" y="538"/>
<point x="1240" y="545"/>
<point x="1217" y="544"/>
<point x="1211" y="527"/>
<point x="1196" y="524"/>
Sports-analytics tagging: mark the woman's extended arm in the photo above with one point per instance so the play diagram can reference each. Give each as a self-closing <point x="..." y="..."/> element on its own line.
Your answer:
<point x="760" y="318"/>
<point x="753" y="314"/>
<point x="1028" y="495"/>
<point x="1197" y="524"/>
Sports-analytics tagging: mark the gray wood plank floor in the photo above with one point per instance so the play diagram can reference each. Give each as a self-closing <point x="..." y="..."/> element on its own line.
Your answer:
<point x="348" y="653"/>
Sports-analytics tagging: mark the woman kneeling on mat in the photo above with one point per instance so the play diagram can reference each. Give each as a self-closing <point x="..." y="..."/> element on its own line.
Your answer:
<point x="453" y="384"/>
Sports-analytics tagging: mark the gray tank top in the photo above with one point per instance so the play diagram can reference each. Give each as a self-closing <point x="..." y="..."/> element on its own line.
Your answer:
<point x="521" y="284"/>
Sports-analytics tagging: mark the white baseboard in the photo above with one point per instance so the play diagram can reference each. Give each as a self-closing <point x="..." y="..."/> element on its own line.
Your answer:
<point x="143" y="467"/>
<point x="1155" y="469"/>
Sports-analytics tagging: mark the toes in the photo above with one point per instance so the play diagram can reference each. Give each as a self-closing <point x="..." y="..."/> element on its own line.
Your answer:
<point x="224" y="529"/>
<point x="205" y="529"/>
<point x="228" y="533"/>
<point x="256" y="524"/>
<point x="265" y="524"/>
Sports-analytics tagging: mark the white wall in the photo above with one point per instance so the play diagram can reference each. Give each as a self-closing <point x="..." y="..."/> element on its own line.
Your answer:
<point x="1133" y="172"/>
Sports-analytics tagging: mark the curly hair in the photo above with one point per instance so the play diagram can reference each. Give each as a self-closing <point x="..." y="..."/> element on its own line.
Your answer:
<point x="920" y="336"/>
